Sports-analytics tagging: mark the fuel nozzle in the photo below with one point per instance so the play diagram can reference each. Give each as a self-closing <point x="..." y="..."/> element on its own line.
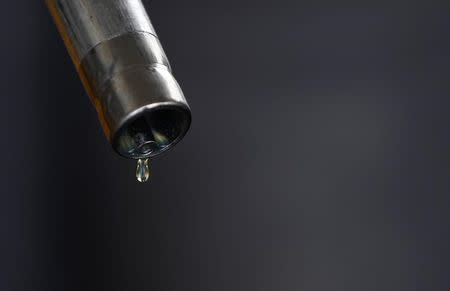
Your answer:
<point x="125" y="72"/>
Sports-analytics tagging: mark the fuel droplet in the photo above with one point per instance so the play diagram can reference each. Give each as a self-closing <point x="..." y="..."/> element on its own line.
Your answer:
<point x="142" y="170"/>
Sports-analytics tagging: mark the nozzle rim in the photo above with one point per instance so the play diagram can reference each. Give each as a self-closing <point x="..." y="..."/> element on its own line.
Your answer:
<point x="131" y="117"/>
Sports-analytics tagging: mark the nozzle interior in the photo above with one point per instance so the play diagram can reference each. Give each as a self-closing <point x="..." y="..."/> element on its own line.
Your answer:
<point x="152" y="131"/>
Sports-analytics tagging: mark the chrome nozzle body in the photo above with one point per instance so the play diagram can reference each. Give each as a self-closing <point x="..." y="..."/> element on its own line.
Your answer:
<point x="126" y="73"/>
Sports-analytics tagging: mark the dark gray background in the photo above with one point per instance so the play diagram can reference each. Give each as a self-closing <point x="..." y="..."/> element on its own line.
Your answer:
<point x="318" y="159"/>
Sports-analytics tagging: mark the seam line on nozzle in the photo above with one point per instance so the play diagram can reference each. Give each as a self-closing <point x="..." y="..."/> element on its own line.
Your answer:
<point x="134" y="32"/>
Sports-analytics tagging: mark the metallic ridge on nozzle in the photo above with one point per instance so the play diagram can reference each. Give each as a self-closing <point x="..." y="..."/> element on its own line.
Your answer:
<point x="126" y="73"/>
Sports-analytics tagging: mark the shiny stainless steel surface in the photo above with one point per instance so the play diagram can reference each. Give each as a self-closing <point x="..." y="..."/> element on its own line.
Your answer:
<point x="125" y="72"/>
<point x="90" y="22"/>
<point x="101" y="61"/>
